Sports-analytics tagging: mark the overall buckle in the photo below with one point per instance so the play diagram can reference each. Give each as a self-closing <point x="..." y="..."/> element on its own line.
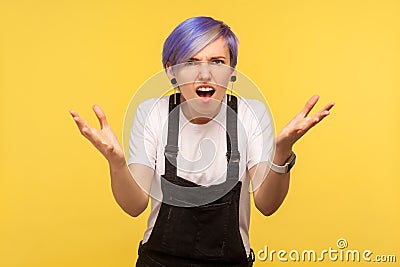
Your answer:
<point x="171" y="151"/>
<point x="235" y="156"/>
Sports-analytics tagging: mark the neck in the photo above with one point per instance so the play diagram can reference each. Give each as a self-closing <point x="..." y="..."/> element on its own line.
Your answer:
<point x="194" y="116"/>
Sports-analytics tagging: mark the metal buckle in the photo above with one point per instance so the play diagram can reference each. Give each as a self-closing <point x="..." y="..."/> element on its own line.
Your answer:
<point x="171" y="150"/>
<point x="234" y="156"/>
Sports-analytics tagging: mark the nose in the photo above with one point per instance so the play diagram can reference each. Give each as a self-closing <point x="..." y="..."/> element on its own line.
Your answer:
<point x="204" y="71"/>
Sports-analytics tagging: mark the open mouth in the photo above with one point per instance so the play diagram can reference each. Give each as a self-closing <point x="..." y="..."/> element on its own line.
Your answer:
<point x="205" y="91"/>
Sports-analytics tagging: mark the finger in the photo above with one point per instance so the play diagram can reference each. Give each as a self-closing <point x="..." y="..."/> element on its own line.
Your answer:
<point x="319" y="116"/>
<point x="329" y="106"/>
<point x="73" y="113"/>
<point x="81" y="123"/>
<point x="101" y="116"/>
<point x="326" y="109"/>
<point x="92" y="136"/>
<point x="309" y="105"/>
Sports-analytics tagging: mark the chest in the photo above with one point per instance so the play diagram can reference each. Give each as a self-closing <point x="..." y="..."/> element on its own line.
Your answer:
<point x="202" y="153"/>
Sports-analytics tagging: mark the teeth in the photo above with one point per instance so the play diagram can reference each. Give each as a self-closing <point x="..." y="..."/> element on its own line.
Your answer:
<point x="205" y="89"/>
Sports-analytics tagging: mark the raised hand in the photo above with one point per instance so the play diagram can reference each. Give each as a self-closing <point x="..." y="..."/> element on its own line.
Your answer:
<point x="301" y="123"/>
<point x="104" y="139"/>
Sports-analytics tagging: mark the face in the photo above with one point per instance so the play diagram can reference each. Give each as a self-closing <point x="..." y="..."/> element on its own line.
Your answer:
<point x="203" y="79"/>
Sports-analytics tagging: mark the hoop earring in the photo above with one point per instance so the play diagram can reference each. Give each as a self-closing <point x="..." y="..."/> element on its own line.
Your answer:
<point x="174" y="83"/>
<point x="233" y="79"/>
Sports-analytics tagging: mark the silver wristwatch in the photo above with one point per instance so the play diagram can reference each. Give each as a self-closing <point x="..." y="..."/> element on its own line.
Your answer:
<point x="285" y="168"/>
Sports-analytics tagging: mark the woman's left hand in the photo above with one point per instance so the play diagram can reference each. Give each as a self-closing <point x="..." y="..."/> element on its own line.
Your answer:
<point x="300" y="124"/>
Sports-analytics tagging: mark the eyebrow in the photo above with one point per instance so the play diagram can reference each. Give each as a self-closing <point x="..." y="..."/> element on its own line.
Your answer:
<point x="211" y="58"/>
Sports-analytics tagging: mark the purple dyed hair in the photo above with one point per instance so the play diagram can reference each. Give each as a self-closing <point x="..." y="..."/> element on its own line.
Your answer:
<point x="192" y="35"/>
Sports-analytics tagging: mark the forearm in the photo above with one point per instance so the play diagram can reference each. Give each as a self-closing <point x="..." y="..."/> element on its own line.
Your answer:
<point x="269" y="196"/>
<point x="273" y="188"/>
<point x="128" y="194"/>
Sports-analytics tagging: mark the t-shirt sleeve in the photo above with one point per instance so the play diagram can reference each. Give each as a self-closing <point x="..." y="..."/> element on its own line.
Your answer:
<point x="261" y="136"/>
<point x="142" y="140"/>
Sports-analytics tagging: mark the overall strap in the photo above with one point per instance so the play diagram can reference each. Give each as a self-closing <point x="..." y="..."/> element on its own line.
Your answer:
<point x="171" y="149"/>
<point x="232" y="154"/>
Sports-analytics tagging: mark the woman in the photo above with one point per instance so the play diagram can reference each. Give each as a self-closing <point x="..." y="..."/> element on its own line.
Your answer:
<point x="200" y="216"/>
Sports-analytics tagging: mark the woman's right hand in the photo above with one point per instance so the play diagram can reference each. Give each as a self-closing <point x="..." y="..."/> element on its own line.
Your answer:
<point x="104" y="139"/>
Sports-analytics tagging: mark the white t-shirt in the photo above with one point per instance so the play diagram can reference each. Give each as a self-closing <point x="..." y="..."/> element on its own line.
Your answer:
<point x="202" y="149"/>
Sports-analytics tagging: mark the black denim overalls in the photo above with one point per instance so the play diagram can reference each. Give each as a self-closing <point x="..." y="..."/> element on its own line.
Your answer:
<point x="187" y="234"/>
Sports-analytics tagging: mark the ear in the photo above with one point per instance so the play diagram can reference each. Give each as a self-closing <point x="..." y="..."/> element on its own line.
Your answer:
<point x="169" y="70"/>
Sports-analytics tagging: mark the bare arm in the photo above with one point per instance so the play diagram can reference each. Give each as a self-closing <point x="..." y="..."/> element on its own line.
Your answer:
<point x="269" y="196"/>
<point x="126" y="190"/>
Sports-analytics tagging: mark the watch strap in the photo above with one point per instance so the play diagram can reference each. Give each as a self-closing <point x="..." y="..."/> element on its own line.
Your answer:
<point x="285" y="168"/>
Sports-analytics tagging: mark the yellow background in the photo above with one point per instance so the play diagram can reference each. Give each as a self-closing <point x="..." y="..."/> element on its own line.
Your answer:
<point x="57" y="208"/>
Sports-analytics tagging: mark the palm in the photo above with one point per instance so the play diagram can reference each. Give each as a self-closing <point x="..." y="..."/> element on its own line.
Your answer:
<point x="104" y="139"/>
<point x="300" y="124"/>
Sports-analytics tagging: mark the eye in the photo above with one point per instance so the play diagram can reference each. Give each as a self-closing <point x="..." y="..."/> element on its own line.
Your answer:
<point x="189" y="63"/>
<point x="218" y="61"/>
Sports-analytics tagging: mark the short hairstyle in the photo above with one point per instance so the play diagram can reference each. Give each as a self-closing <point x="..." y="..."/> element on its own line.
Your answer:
<point x="192" y="35"/>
